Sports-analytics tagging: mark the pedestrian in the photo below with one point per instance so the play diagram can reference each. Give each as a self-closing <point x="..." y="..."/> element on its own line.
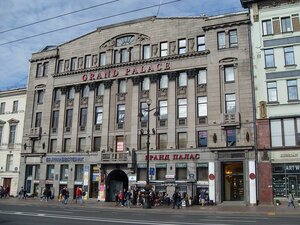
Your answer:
<point x="121" y="198"/>
<point x="44" y="195"/>
<point x="116" y="198"/>
<point x="128" y="198"/>
<point x="78" y="195"/>
<point x="202" y="197"/>
<point x="175" y="200"/>
<point x="291" y="199"/>
<point x="7" y="191"/>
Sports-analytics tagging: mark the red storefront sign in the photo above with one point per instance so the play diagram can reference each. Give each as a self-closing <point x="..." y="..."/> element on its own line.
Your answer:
<point x="167" y="157"/>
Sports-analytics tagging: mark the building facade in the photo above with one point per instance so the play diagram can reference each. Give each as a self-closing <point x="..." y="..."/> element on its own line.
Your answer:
<point x="275" y="34"/>
<point x="185" y="81"/>
<point x="12" y="111"/>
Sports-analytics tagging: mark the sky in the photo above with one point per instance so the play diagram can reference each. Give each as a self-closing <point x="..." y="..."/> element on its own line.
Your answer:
<point x="17" y="15"/>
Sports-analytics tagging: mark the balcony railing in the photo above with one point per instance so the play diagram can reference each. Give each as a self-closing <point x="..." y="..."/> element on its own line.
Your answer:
<point x="231" y="119"/>
<point x="35" y="133"/>
<point x="115" y="157"/>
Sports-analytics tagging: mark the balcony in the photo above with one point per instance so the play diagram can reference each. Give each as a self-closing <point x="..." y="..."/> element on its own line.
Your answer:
<point x="121" y="157"/>
<point x="35" y="133"/>
<point x="231" y="119"/>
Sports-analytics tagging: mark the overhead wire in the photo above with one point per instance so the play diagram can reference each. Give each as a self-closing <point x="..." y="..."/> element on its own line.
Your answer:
<point x="90" y="21"/>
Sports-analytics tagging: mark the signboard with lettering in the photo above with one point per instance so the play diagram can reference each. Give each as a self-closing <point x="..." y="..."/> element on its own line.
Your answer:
<point x="168" y="157"/>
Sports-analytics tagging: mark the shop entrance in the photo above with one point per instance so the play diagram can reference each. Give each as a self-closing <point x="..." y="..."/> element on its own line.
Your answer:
<point x="116" y="181"/>
<point x="232" y="181"/>
<point x="7" y="183"/>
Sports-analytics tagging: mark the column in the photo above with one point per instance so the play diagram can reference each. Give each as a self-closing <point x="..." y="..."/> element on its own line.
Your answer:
<point x="152" y="118"/>
<point x="191" y="109"/>
<point x="172" y="110"/>
<point x="90" y="119"/>
<point x="75" y="118"/>
<point x="134" y="113"/>
<point x="62" y="111"/>
<point x="106" y="115"/>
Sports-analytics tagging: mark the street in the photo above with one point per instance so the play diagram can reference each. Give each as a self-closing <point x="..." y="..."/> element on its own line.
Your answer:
<point x="43" y="213"/>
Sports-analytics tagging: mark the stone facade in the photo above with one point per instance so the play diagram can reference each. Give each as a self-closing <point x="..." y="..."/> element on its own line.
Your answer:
<point x="91" y="126"/>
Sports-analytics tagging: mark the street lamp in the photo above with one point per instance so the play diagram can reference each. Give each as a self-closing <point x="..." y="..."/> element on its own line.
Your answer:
<point x="147" y="187"/>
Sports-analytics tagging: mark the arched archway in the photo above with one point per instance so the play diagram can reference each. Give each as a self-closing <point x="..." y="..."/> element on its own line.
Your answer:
<point x="116" y="181"/>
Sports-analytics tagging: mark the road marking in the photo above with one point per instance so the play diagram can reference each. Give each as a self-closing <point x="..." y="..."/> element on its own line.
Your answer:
<point x="54" y="211"/>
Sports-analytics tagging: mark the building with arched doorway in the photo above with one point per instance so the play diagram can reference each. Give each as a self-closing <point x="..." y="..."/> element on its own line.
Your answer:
<point x="88" y="112"/>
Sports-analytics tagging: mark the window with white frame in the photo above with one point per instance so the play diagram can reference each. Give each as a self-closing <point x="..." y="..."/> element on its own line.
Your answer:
<point x="163" y="81"/>
<point x="202" y="76"/>
<point x="60" y="66"/>
<point x="146" y="52"/>
<point x="230" y="103"/>
<point x="2" y="107"/>
<point x="289" y="56"/>
<point x="123" y="55"/>
<point x="181" y="46"/>
<point x="182" y="79"/>
<point x="1" y="131"/>
<point x="267" y="27"/>
<point x="102" y="59"/>
<point x="269" y="58"/>
<point x="122" y="86"/>
<point x="121" y="114"/>
<point x="201" y="43"/>
<point x="272" y="91"/>
<point x="15" y="106"/>
<point x="221" y="40"/>
<point x="202" y="106"/>
<point x="146" y="84"/>
<point x="292" y="90"/>
<point x="87" y="61"/>
<point x="229" y="73"/>
<point x="163" y="109"/>
<point x="85" y="91"/>
<point x="233" y="40"/>
<point x="182" y="108"/>
<point x="100" y="89"/>
<point x="163" y="49"/>
<point x="71" y="93"/>
<point x="12" y="134"/>
<point x="286" y="25"/>
<point x="73" y="63"/>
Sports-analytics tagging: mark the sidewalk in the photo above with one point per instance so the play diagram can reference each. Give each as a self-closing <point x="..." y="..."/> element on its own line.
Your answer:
<point x="234" y="209"/>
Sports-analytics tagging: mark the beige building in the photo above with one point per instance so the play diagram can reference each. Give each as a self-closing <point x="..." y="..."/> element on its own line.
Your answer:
<point x="12" y="111"/>
<point x="185" y="81"/>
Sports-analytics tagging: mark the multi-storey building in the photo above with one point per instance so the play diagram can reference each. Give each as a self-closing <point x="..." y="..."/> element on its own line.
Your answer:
<point x="275" y="34"/>
<point x="88" y="104"/>
<point x="12" y="110"/>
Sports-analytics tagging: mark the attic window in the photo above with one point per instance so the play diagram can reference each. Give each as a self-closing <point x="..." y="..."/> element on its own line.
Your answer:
<point x="123" y="41"/>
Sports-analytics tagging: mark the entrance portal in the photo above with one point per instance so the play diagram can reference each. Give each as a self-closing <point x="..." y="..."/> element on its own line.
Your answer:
<point x="233" y="181"/>
<point x="116" y="181"/>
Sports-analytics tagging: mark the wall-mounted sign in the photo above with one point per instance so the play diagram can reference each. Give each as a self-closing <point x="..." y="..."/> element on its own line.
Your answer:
<point x="167" y="157"/>
<point x="64" y="159"/>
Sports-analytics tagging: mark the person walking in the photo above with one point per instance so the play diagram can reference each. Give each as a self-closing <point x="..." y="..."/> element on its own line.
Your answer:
<point x="202" y="197"/>
<point x="44" y="195"/>
<point x="78" y="195"/>
<point x="291" y="199"/>
<point x="175" y="200"/>
<point x="128" y="198"/>
<point x="121" y="198"/>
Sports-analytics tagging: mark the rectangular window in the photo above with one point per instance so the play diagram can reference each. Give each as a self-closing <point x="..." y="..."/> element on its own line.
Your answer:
<point x="64" y="172"/>
<point x="116" y="56"/>
<point x="1" y="132"/>
<point x="269" y="58"/>
<point x="289" y="132"/>
<point x="55" y="117"/>
<point x="12" y="134"/>
<point x="202" y="138"/>
<point x="162" y="141"/>
<point x="85" y="91"/>
<point x="146" y="52"/>
<point x="163" y="82"/>
<point x="37" y="172"/>
<point x="231" y="137"/>
<point x="97" y="144"/>
<point x="87" y="61"/>
<point x="201" y="43"/>
<point x="46" y="69"/>
<point x="57" y="94"/>
<point x="289" y="56"/>
<point x="40" y="96"/>
<point x="276" y="133"/>
<point x="71" y="93"/>
<point x="122" y="86"/>
<point x="15" y="106"/>
<point x="163" y="110"/>
<point x="120" y="143"/>
<point x="67" y="145"/>
<point x="123" y="55"/>
<point x="182" y="80"/>
<point x="286" y="25"/>
<point x="73" y="63"/>
<point x="182" y="108"/>
<point x="161" y="172"/>
<point x="146" y="84"/>
<point x="272" y="91"/>
<point x="50" y="172"/>
<point x="143" y="145"/>
<point x="229" y="73"/>
<point x="69" y="117"/>
<point x="79" y="172"/>
<point x="144" y="111"/>
<point x="53" y="145"/>
<point x="81" y="145"/>
<point x="292" y="90"/>
<point x="60" y="66"/>
<point x="221" y="40"/>
<point x="181" y="46"/>
<point x="163" y="49"/>
<point x="102" y="59"/>
<point x="233" y="40"/>
<point x="202" y="172"/>
<point x="83" y="117"/>
<point x="38" y="119"/>
<point x="181" y="171"/>
<point x="202" y="106"/>
<point x="267" y="27"/>
<point x="121" y="114"/>
<point x="98" y="115"/>
<point x="141" y="174"/>
<point x="2" y="108"/>
<point x="100" y="89"/>
<point x="39" y="70"/>
<point x="298" y="131"/>
<point x="182" y="140"/>
<point x="9" y="163"/>
<point x="202" y="77"/>
<point x="230" y="103"/>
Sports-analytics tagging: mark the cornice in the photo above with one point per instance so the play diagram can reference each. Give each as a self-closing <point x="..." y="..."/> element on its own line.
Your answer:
<point x="225" y="25"/>
<point x="44" y="58"/>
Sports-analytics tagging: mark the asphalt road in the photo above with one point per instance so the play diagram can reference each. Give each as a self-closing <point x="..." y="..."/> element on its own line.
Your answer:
<point x="43" y="214"/>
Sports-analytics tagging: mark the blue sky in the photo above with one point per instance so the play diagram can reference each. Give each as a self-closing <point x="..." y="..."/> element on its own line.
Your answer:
<point x="14" y="57"/>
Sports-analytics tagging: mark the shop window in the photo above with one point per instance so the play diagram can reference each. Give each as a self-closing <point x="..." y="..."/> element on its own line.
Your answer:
<point x="181" y="46"/>
<point x="200" y="43"/>
<point x="97" y="144"/>
<point x="267" y="27"/>
<point x="202" y="172"/>
<point x="231" y="137"/>
<point x="50" y="172"/>
<point x="162" y="141"/>
<point x="141" y="174"/>
<point x="64" y="172"/>
<point x="202" y="138"/>
<point x="181" y="171"/>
